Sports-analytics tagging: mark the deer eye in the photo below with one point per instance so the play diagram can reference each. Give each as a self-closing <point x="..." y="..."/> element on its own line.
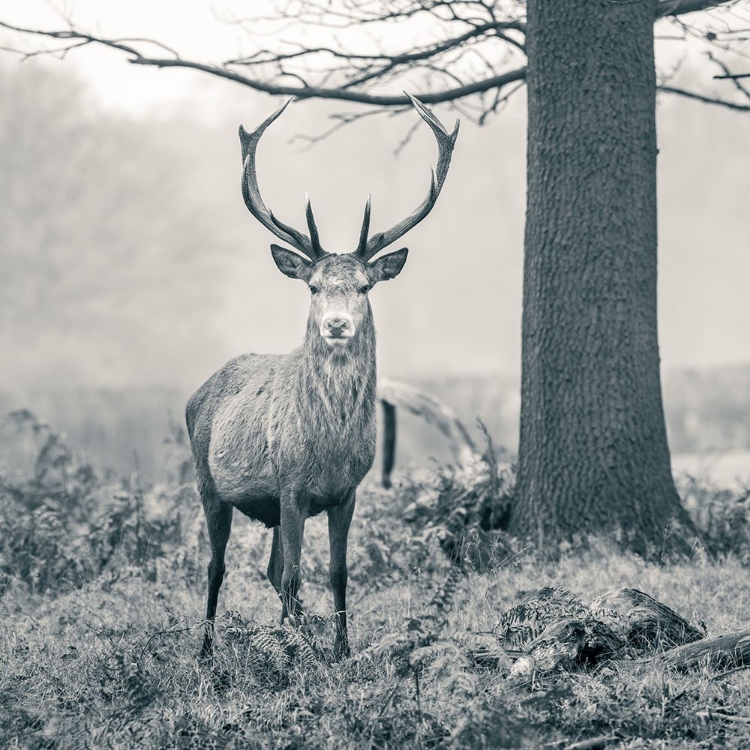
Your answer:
<point x="364" y="289"/>
<point x="313" y="289"/>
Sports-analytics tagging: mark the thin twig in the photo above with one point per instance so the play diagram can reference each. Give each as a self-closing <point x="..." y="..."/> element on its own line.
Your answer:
<point x="705" y="99"/>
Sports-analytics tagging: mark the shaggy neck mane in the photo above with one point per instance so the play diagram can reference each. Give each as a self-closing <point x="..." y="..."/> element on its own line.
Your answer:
<point x="340" y="380"/>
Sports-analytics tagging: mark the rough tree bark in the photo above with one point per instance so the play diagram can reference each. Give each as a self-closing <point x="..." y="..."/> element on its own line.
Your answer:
<point x="593" y="454"/>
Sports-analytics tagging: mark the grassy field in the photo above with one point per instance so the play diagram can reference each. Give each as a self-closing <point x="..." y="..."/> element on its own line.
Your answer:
<point x="101" y="601"/>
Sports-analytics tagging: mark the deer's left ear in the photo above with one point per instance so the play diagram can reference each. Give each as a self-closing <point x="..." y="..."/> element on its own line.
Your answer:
<point x="387" y="266"/>
<point x="290" y="264"/>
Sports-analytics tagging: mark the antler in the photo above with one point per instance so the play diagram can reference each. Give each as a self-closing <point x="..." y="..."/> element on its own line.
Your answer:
<point x="446" y="141"/>
<point x="309" y="246"/>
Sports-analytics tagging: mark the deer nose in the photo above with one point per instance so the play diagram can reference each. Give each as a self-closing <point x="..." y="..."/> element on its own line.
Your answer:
<point x="337" y="326"/>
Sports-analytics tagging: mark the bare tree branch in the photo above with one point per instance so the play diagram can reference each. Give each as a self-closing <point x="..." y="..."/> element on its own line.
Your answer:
<point x="302" y="91"/>
<point x="729" y="76"/>
<point x="308" y="92"/>
<point x="683" y="7"/>
<point x="478" y="50"/>
<point x="705" y="99"/>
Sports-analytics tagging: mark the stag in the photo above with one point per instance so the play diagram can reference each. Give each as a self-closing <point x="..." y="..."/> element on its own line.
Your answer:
<point x="283" y="437"/>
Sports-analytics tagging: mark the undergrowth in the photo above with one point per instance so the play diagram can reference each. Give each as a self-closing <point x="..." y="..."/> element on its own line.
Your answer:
<point x="102" y="594"/>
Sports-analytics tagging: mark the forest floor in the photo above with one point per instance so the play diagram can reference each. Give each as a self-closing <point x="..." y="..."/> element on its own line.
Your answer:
<point x="114" y="662"/>
<point x="102" y="586"/>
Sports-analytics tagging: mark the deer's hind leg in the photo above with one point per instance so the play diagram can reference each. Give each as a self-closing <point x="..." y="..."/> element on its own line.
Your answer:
<point x="219" y="521"/>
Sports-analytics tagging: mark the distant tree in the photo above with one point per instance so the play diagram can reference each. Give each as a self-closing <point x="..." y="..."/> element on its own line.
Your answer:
<point x="593" y="454"/>
<point x="103" y="257"/>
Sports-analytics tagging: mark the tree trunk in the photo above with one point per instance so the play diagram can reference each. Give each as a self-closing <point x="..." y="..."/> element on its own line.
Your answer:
<point x="593" y="454"/>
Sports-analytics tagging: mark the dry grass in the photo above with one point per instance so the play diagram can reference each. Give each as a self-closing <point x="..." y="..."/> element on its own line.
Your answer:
<point x="114" y="664"/>
<point x="105" y="655"/>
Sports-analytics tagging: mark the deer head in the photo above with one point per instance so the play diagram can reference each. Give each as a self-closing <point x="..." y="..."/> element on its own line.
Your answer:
<point x="339" y="284"/>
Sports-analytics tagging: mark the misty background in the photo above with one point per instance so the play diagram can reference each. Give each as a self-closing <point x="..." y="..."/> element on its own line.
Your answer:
<point x="130" y="269"/>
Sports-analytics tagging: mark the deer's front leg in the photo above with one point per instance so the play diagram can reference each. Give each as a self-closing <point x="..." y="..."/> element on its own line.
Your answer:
<point x="339" y="520"/>
<point x="292" y="529"/>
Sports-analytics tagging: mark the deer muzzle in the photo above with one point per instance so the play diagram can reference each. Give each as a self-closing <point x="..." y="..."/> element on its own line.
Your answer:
<point x="337" y="328"/>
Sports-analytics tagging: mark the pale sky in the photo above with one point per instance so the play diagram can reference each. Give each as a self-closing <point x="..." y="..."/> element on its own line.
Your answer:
<point x="704" y="197"/>
<point x="181" y="24"/>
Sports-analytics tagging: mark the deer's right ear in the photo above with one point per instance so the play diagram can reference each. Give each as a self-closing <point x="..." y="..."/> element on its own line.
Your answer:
<point x="387" y="266"/>
<point x="290" y="264"/>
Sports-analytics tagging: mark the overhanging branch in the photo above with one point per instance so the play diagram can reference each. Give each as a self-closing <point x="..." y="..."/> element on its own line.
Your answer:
<point x="359" y="71"/>
<point x="80" y="38"/>
<point x="359" y="97"/>
<point x="705" y="99"/>
<point x="683" y="7"/>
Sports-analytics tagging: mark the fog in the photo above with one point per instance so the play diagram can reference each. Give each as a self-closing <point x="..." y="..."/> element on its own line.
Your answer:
<point x="132" y="259"/>
<point x="129" y="258"/>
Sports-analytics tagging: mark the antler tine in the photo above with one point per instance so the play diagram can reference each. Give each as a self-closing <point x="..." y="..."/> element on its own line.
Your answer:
<point x="254" y="201"/>
<point x="311" y="225"/>
<point x="364" y="233"/>
<point x="446" y="141"/>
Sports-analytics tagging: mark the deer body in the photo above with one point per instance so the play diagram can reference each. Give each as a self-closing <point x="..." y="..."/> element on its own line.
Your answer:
<point x="263" y="420"/>
<point x="286" y="437"/>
